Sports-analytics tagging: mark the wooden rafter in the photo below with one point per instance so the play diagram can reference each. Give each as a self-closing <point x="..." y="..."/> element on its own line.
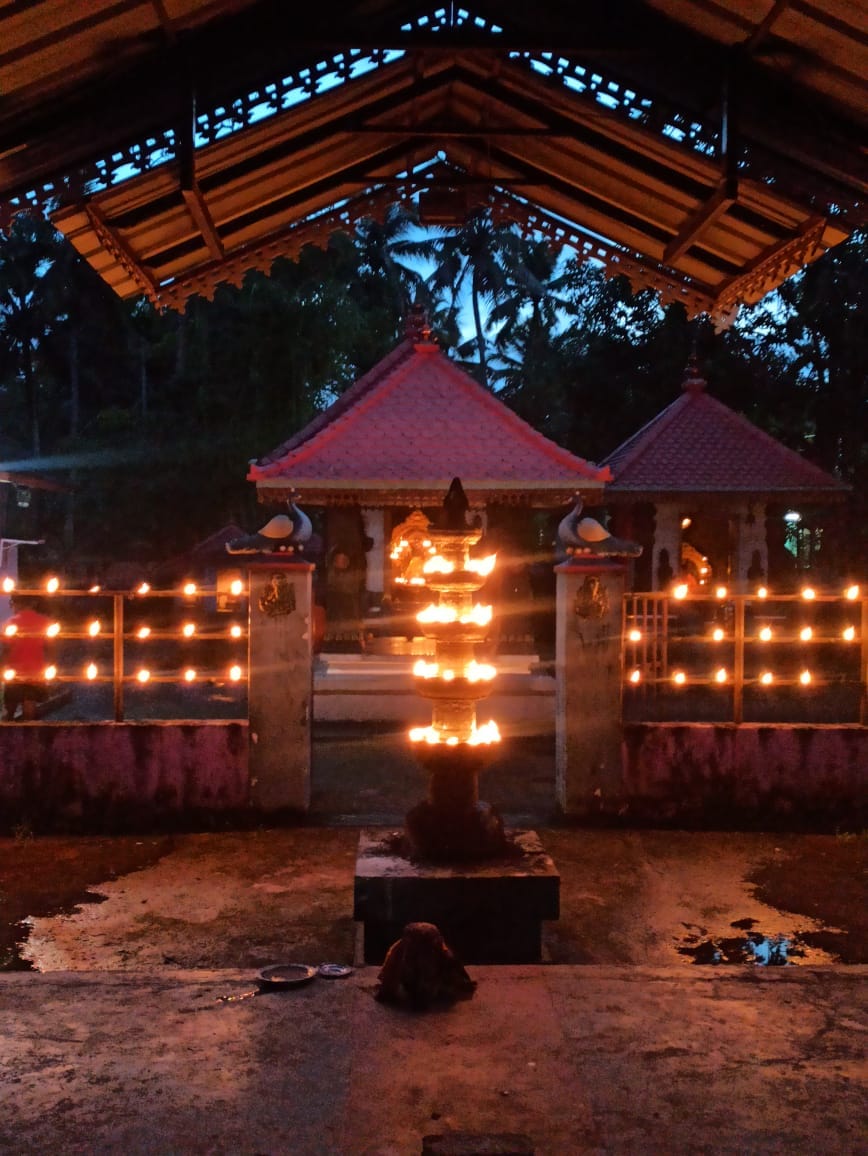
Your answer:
<point x="708" y="212"/>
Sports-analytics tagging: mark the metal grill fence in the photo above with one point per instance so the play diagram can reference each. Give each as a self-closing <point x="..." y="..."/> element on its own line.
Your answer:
<point x="143" y="654"/>
<point x="761" y="657"/>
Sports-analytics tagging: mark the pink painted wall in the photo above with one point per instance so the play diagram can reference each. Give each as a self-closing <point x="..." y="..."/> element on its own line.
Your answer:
<point x="121" y="773"/>
<point x="707" y="770"/>
<point x="112" y="775"/>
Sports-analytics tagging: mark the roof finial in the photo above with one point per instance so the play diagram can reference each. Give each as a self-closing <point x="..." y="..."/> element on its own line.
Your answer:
<point x="417" y="326"/>
<point x="693" y="381"/>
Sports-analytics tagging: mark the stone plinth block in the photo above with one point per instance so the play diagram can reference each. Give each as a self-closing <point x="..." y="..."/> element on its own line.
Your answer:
<point x="281" y="683"/>
<point x="489" y="912"/>
<point x="588" y="773"/>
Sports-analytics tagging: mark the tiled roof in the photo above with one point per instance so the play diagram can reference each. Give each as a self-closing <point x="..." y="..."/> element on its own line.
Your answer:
<point x="699" y="445"/>
<point x="410" y="425"/>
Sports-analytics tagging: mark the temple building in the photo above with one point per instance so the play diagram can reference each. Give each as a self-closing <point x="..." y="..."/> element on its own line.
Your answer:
<point x="379" y="461"/>
<point x="710" y="496"/>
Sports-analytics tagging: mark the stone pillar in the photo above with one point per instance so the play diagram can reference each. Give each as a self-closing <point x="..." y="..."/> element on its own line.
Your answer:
<point x="375" y="528"/>
<point x="588" y="771"/>
<point x="667" y="536"/>
<point x="750" y="540"/>
<point x="280" y="684"/>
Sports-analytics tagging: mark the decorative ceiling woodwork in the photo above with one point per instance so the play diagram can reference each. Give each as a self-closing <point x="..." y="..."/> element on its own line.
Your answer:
<point x="706" y="148"/>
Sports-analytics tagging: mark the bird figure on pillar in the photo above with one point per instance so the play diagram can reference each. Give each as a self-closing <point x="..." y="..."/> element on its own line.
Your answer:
<point x="580" y="535"/>
<point x="282" y="534"/>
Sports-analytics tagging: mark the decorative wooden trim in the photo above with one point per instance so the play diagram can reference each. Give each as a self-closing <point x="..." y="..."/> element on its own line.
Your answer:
<point x="776" y="266"/>
<point x="118" y="249"/>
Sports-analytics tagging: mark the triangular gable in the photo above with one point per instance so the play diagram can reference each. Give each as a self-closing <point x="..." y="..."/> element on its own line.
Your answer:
<point x="405" y="429"/>
<point x="698" y="445"/>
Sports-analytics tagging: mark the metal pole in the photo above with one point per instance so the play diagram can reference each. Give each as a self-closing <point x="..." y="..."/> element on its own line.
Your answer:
<point x="119" y="657"/>
<point x="863" y="673"/>
<point x="738" y="659"/>
<point x="623" y="647"/>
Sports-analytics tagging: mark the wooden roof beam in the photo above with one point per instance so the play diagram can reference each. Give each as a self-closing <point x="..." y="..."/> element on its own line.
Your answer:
<point x="190" y="191"/>
<point x="764" y="27"/>
<point x="166" y="22"/>
<point x="725" y="195"/>
<point x="201" y="215"/>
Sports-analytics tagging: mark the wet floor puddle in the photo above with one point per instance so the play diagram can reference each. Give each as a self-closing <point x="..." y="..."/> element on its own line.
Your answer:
<point x="14" y="935"/>
<point x="759" y="950"/>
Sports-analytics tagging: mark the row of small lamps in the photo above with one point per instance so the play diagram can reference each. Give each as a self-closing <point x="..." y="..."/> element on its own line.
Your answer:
<point x="765" y="634"/>
<point x="94" y="629"/>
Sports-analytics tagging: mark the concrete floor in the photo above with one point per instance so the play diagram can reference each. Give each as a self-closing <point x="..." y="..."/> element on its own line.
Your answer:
<point x="252" y="898"/>
<point x="579" y="1059"/>
<point x="143" y="1034"/>
<point x="143" y="1030"/>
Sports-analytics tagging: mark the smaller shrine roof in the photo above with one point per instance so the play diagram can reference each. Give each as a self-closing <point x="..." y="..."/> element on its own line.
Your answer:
<point x="698" y="445"/>
<point x="404" y="430"/>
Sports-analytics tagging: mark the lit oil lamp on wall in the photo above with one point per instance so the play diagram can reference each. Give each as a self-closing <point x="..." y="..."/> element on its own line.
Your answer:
<point x="452" y="823"/>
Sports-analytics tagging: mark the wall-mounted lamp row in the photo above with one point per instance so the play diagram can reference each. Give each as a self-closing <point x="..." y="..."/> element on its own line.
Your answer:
<point x="681" y="591"/>
<point x="721" y="677"/>
<point x="188" y="589"/>
<point x="766" y="634"/>
<point x="95" y="629"/>
<point x="92" y="674"/>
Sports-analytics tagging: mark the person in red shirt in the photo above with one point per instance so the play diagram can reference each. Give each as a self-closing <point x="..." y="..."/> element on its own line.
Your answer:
<point x="24" y="651"/>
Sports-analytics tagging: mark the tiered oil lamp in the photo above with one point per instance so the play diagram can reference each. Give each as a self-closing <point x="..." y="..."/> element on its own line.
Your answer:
<point x="452" y="823"/>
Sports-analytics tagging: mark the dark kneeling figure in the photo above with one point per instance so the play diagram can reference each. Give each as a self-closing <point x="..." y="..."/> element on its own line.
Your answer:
<point x="421" y="969"/>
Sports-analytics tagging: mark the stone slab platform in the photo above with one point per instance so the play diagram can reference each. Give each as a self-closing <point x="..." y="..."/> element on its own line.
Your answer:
<point x="489" y="912"/>
<point x="582" y="1060"/>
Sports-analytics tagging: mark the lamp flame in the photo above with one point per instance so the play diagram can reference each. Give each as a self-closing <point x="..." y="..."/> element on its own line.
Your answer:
<point x="437" y="565"/>
<point x="482" y="566"/>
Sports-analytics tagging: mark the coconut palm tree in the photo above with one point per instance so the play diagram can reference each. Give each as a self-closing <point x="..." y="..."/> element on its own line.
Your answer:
<point x="391" y="250"/>
<point x="476" y="262"/>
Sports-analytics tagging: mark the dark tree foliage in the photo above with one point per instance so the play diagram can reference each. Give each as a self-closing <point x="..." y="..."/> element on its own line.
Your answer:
<point x="152" y="417"/>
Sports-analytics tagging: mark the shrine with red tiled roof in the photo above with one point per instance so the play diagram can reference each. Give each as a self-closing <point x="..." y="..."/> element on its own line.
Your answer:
<point x="391" y="445"/>
<point x="706" y="492"/>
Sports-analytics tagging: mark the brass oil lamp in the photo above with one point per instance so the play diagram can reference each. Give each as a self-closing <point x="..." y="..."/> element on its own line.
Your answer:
<point x="452" y="823"/>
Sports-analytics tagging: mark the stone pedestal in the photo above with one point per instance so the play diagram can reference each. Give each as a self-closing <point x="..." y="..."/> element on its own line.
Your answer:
<point x="489" y="912"/>
<point x="281" y="684"/>
<point x="588" y="771"/>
